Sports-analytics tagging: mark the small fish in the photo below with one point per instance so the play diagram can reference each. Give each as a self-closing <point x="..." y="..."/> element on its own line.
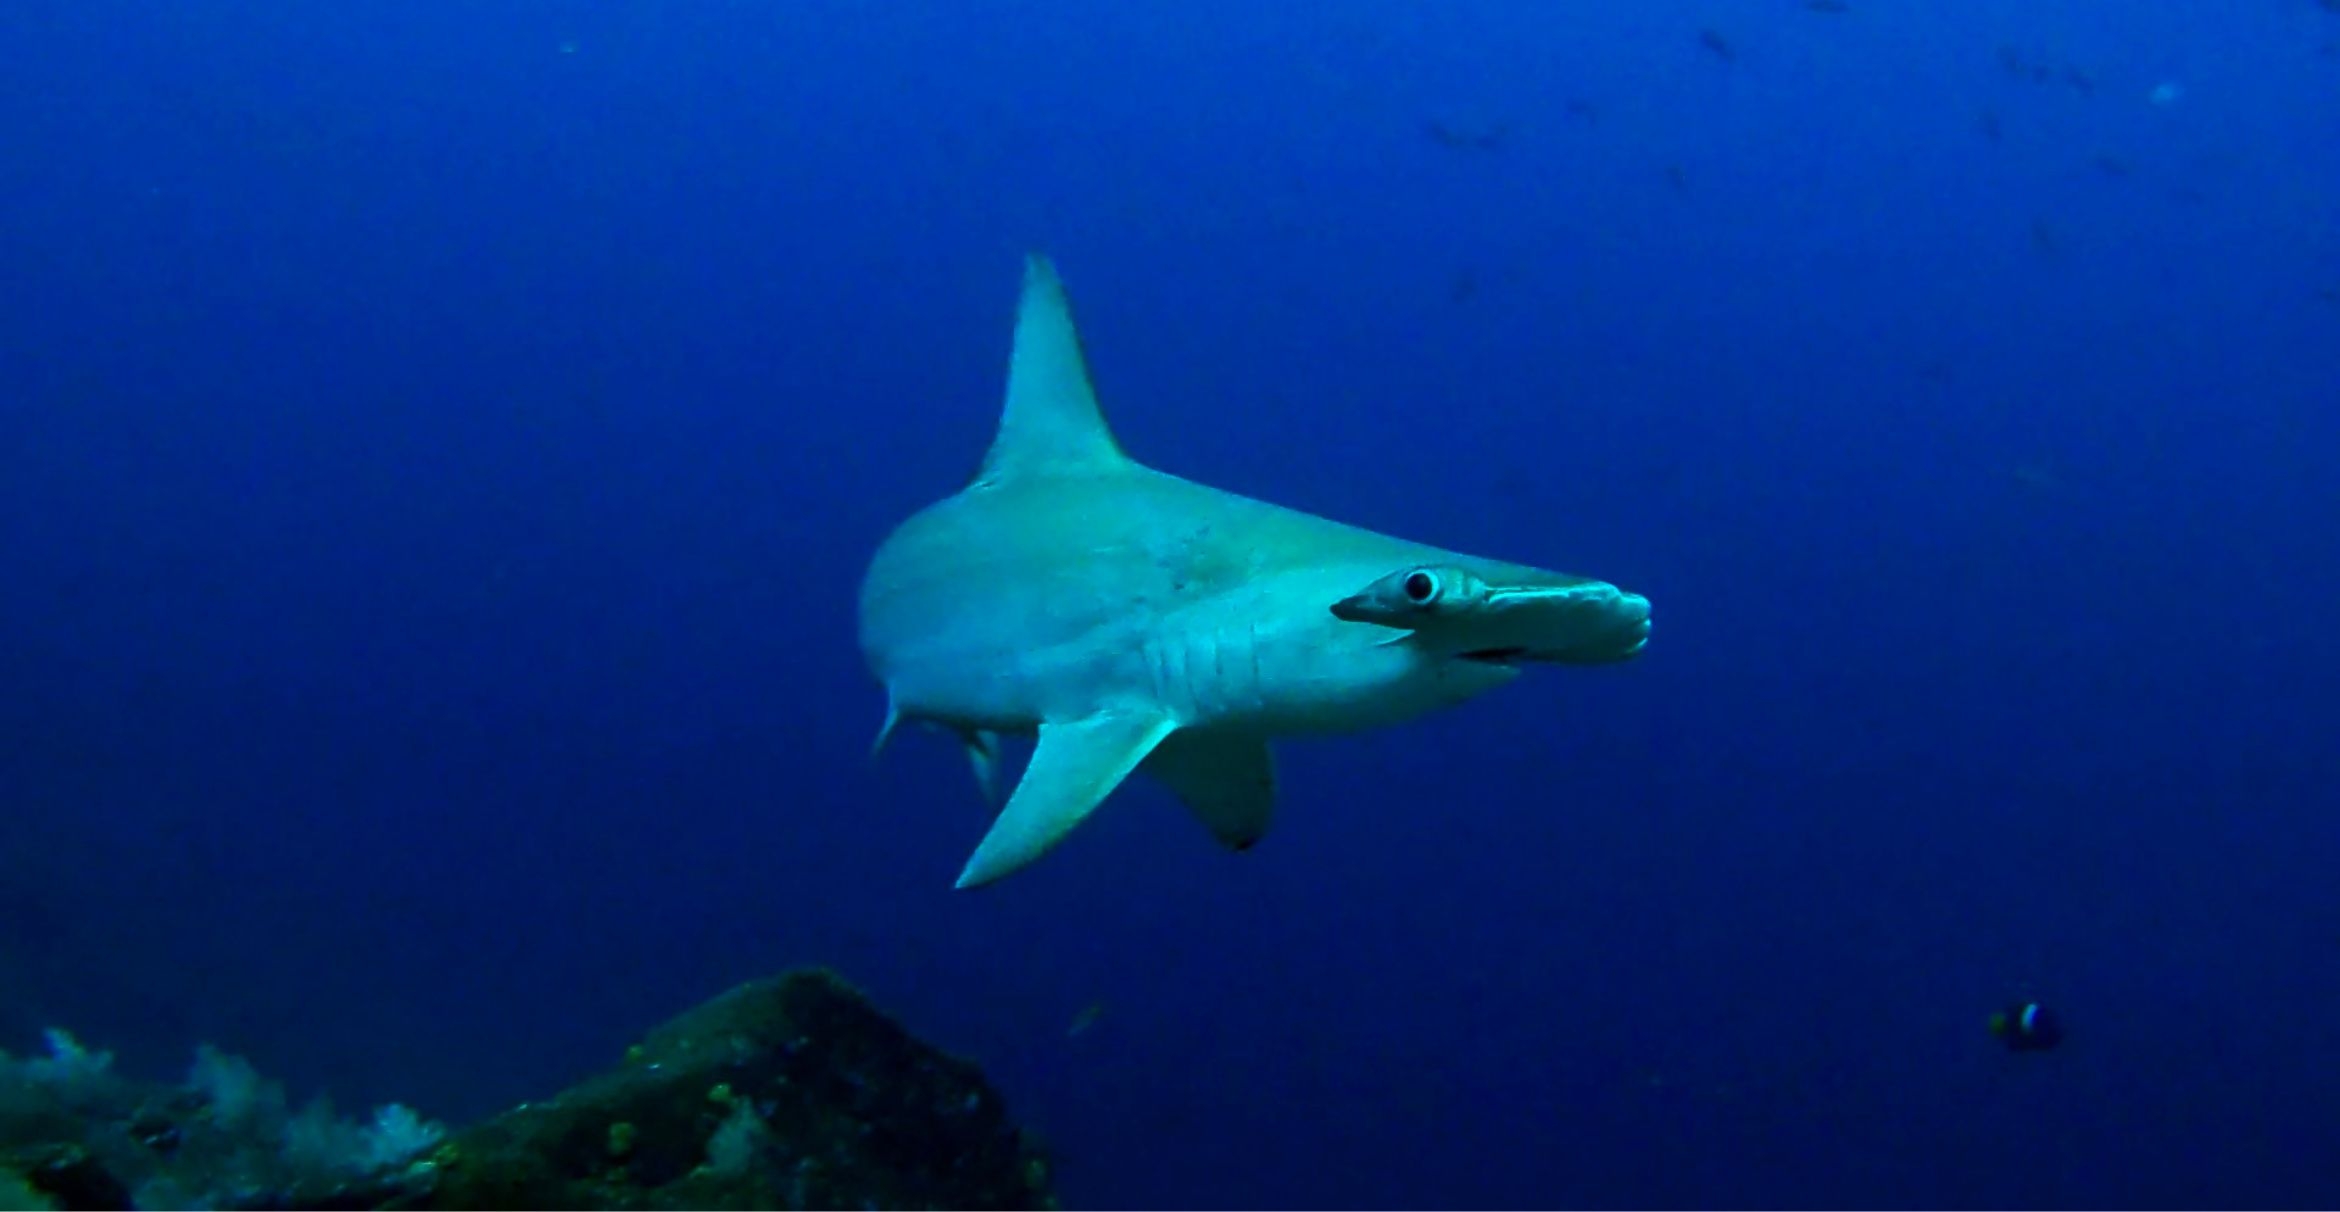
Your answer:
<point x="2027" y="1027"/>
<point x="1827" y="6"/>
<point x="1988" y="123"/>
<point x="1466" y="138"/>
<point x="2329" y="294"/>
<point x="1717" y="45"/>
<point x="1464" y="287"/>
<point x="2080" y="81"/>
<point x="1086" y="1019"/>
<point x="2043" y="239"/>
<point x="1579" y="109"/>
<point x="2033" y="477"/>
<point x="2110" y="166"/>
<point x="1679" y="180"/>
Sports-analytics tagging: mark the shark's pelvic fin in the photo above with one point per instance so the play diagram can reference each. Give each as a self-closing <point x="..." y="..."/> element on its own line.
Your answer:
<point x="1228" y="780"/>
<point x="1051" y="422"/>
<point x="982" y="745"/>
<point x="1075" y="766"/>
<point x="886" y="730"/>
<point x="983" y="754"/>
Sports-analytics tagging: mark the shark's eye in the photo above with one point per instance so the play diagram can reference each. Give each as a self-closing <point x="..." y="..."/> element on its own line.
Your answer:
<point x="1421" y="587"/>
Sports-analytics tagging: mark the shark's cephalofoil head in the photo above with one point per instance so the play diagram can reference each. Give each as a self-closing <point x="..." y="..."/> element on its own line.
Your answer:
<point x="1510" y="617"/>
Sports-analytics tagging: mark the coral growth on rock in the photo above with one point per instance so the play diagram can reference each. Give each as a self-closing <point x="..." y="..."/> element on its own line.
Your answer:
<point x="792" y="1092"/>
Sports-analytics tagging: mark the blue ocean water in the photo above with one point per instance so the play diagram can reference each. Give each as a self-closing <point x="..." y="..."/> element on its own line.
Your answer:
<point x="439" y="445"/>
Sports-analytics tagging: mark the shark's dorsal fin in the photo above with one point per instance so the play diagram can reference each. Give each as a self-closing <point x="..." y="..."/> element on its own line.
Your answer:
<point x="1051" y="423"/>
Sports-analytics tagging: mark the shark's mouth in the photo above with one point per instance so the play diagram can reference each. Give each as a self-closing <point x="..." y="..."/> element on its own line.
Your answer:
<point x="1513" y="656"/>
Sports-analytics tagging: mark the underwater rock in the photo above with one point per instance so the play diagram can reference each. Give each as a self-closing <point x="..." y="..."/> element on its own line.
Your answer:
<point x="793" y="1092"/>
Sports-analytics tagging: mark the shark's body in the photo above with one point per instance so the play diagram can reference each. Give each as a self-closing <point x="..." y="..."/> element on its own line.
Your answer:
<point x="1134" y="620"/>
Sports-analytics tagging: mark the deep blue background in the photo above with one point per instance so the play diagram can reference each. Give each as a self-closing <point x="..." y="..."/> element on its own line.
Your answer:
<point x="439" y="444"/>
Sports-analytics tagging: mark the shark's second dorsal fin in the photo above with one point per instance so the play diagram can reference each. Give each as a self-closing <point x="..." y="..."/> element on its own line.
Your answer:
<point x="1051" y="423"/>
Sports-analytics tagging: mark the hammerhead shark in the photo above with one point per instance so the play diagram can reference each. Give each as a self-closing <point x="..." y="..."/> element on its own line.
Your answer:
<point x="1132" y="620"/>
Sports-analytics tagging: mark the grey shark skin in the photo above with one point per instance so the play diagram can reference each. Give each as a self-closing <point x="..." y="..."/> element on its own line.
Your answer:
<point x="1136" y="621"/>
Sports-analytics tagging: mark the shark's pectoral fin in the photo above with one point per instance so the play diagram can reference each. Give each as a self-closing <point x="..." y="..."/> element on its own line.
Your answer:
<point x="1228" y="780"/>
<point x="1074" y="767"/>
<point x="886" y="730"/>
